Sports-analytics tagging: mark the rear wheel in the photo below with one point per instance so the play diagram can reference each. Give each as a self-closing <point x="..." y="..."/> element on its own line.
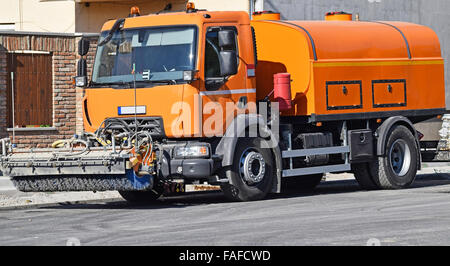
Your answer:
<point x="398" y="166"/>
<point x="252" y="172"/>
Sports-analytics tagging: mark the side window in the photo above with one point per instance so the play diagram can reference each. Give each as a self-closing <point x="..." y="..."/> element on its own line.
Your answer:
<point x="212" y="50"/>
<point x="212" y="66"/>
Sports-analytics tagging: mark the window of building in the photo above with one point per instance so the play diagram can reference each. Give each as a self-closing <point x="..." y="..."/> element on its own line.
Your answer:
<point x="7" y="26"/>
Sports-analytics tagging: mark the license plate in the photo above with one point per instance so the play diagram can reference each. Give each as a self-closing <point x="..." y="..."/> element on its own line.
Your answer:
<point x="130" y="110"/>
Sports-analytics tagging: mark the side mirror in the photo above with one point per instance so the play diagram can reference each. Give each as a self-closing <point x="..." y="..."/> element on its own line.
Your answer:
<point x="83" y="47"/>
<point x="228" y="63"/>
<point x="81" y="78"/>
<point x="82" y="67"/>
<point x="227" y="38"/>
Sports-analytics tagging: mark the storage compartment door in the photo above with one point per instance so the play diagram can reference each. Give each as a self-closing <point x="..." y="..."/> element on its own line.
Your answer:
<point x="389" y="93"/>
<point x="344" y="95"/>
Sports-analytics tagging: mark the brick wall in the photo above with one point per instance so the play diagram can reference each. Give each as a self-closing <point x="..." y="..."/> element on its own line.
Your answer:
<point x="64" y="93"/>
<point x="3" y="107"/>
<point x="67" y="111"/>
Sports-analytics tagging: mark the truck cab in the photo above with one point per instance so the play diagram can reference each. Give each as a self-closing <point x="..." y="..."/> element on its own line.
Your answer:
<point x="173" y="65"/>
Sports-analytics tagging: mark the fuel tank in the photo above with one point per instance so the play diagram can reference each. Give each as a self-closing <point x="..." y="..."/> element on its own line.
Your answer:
<point x="352" y="68"/>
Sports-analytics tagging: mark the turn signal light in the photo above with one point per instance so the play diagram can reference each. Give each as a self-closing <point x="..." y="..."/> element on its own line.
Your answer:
<point x="199" y="150"/>
<point x="203" y="150"/>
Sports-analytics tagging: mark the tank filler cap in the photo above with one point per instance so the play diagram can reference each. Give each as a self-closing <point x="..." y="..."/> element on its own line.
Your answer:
<point x="338" y="16"/>
<point x="266" y="15"/>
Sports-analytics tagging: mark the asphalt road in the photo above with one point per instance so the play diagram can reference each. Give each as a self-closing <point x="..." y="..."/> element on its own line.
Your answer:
<point x="337" y="213"/>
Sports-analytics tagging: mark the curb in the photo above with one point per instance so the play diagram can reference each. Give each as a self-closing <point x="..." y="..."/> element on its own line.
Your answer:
<point x="63" y="203"/>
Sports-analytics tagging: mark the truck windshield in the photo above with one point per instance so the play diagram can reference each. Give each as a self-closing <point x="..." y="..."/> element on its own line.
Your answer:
<point x="153" y="54"/>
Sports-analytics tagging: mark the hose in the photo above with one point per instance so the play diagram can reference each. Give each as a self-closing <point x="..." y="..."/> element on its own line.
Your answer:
<point x="68" y="154"/>
<point x="59" y="143"/>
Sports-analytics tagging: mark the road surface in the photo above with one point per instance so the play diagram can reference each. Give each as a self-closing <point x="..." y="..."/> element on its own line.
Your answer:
<point x="337" y="213"/>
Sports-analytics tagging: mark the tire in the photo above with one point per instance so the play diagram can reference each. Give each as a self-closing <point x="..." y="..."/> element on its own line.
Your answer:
<point x="242" y="186"/>
<point x="397" y="168"/>
<point x="305" y="183"/>
<point x="364" y="176"/>
<point x="140" y="196"/>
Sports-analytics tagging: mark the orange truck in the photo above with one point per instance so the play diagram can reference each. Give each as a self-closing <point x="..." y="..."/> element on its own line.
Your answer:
<point x="199" y="100"/>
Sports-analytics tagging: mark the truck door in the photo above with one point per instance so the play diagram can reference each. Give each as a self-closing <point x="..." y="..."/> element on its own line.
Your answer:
<point x="221" y="93"/>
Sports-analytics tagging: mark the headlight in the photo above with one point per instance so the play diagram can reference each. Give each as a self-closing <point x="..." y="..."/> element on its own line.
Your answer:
<point x="193" y="151"/>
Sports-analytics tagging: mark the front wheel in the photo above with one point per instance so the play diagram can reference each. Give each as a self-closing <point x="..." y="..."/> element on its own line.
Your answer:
<point x="252" y="172"/>
<point x="398" y="166"/>
<point x="140" y="196"/>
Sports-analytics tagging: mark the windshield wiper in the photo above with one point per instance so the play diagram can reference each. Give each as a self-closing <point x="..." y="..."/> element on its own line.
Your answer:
<point x="164" y="81"/>
<point x="129" y="84"/>
<point x="106" y="84"/>
<point x="117" y="25"/>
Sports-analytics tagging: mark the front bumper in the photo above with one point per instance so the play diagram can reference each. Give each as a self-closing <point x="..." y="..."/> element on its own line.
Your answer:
<point x="191" y="168"/>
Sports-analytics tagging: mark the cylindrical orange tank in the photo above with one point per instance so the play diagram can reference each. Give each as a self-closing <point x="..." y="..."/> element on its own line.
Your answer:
<point x="352" y="67"/>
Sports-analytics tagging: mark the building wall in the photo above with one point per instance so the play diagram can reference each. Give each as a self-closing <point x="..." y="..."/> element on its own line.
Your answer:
<point x="3" y="88"/>
<point x="91" y="17"/>
<point x="37" y="16"/>
<point x="431" y="13"/>
<point x="228" y="5"/>
<point x="9" y="11"/>
<point x="66" y="113"/>
<point x="70" y="16"/>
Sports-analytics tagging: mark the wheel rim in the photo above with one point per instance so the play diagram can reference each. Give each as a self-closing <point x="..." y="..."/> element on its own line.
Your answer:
<point x="400" y="157"/>
<point x="252" y="166"/>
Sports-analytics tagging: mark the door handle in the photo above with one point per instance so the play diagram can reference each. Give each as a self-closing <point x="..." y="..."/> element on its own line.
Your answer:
<point x="344" y="90"/>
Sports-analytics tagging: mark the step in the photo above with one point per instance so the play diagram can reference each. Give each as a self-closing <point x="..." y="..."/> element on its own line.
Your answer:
<point x="316" y="170"/>
<point x="315" y="151"/>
